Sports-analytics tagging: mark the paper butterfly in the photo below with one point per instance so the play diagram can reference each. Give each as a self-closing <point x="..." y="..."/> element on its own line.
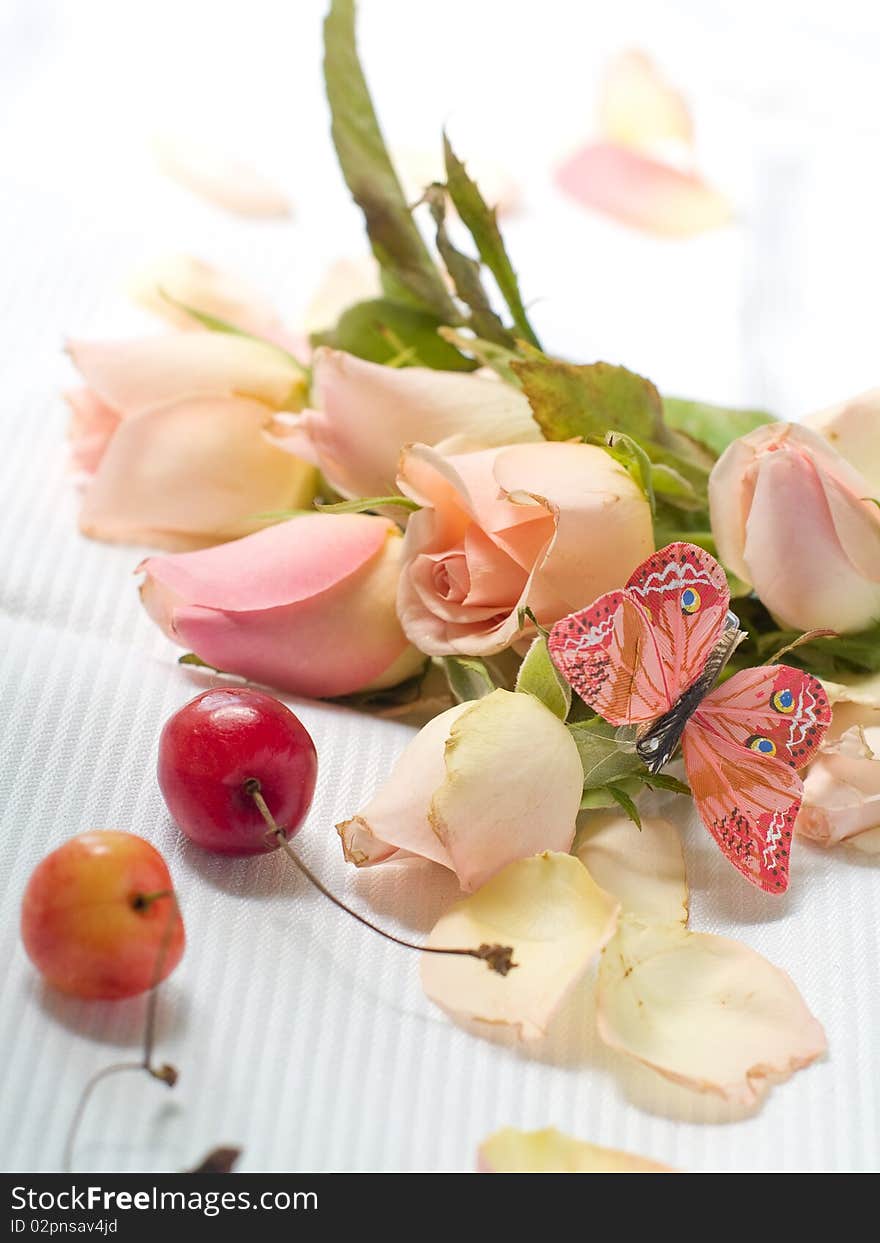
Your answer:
<point x="650" y="655"/>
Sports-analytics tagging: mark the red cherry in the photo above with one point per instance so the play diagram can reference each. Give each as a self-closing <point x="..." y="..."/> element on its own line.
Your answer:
<point x="95" y="916"/>
<point x="213" y="750"/>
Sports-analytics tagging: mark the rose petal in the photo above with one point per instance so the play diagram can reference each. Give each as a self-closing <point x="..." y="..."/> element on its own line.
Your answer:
<point x="344" y="283"/>
<point x="641" y="192"/>
<point x="704" y="1011"/>
<point x="218" y="177"/>
<point x="132" y="376"/>
<point x="191" y="473"/>
<point x="842" y="790"/>
<point x="853" y="429"/>
<point x="549" y="909"/>
<point x="643" y="869"/>
<point x="639" y="108"/>
<point x="363" y="414"/>
<point x="91" y="428"/>
<point x="510" y="1151"/>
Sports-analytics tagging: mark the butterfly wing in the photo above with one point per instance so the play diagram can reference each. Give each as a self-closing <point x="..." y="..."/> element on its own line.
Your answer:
<point x="774" y="710"/>
<point x="632" y="653"/>
<point x="748" y="801"/>
<point x="684" y="591"/>
<point x="609" y="654"/>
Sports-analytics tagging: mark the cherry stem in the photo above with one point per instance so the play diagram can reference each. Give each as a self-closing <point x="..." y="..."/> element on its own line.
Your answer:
<point x="498" y="958"/>
<point x="165" y="1074"/>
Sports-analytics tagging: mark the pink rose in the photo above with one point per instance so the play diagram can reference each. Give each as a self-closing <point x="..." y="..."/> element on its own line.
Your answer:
<point x="306" y="606"/>
<point x="789" y="516"/>
<point x="550" y="526"/>
<point x="365" y="413"/>
<point x="172" y="433"/>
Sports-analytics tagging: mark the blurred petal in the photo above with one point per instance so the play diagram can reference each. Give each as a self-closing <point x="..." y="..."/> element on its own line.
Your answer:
<point x="91" y="427"/>
<point x="131" y="376"/>
<point x="549" y="909"/>
<point x="643" y="869"/>
<point x="853" y="429"/>
<point x="704" y="1011"/>
<point x="550" y="1152"/>
<point x="214" y="175"/>
<point x="190" y="473"/>
<point x="639" y="108"/>
<point x="641" y="192"/>
<point x="344" y="283"/>
<point x="195" y="284"/>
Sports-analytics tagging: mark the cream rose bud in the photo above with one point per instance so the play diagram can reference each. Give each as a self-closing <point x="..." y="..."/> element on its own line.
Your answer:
<point x="306" y="606"/>
<point x="789" y="516"/>
<point x="172" y="435"/>
<point x="363" y="414"/>
<point x="479" y="786"/>
<point x="550" y="526"/>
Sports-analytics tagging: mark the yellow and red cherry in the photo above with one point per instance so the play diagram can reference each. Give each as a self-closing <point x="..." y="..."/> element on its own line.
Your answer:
<point x="99" y="918"/>
<point x="223" y="748"/>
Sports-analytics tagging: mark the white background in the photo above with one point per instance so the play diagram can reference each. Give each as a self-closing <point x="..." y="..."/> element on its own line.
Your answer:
<point x="297" y="1035"/>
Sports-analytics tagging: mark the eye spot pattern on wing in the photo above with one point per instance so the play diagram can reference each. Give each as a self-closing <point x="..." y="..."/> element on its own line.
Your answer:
<point x="761" y="744"/>
<point x="690" y="601"/>
<point x="783" y="701"/>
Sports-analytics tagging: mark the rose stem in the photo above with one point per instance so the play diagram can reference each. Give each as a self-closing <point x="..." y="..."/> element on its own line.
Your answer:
<point x="496" y="957"/>
<point x="164" y="1073"/>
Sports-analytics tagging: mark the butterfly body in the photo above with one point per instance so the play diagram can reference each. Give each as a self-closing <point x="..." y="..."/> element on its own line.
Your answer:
<point x="650" y="655"/>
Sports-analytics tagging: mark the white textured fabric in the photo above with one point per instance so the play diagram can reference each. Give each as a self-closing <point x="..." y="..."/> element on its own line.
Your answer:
<point x="298" y="1035"/>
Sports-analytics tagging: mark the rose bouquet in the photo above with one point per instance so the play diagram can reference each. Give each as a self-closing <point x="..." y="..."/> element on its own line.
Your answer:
<point x="562" y="571"/>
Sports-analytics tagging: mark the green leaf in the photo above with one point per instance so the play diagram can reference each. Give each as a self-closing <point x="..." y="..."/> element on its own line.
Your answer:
<point x="467" y="676"/>
<point x="623" y="800"/>
<point x="364" y="504"/>
<point x="466" y="275"/>
<point x="713" y="426"/>
<point x="190" y="658"/>
<point x="607" y="753"/>
<point x="382" y="331"/>
<point x="538" y="676"/>
<point x="660" y="781"/>
<point x="482" y="223"/>
<point x="570" y="400"/>
<point x="404" y="693"/>
<point x="409" y="273"/>
<point x="631" y="455"/>
<point x="672" y="486"/>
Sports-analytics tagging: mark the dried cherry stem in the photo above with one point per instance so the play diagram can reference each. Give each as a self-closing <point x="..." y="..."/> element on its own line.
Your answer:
<point x="165" y="1074"/>
<point x="497" y="958"/>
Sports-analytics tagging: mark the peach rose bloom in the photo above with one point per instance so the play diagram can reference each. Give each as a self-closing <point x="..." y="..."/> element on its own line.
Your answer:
<point x="172" y="436"/>
<point x="548" y="526"/>
<point x="306" y="606"/>
<point x="790" y="515"/>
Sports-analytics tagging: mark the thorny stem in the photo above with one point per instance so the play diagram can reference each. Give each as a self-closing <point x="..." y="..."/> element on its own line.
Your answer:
<point x="164" y="1073"/>
<point x="497" y="957"/>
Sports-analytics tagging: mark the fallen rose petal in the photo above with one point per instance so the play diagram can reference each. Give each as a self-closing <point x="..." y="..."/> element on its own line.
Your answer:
<point x="510" y="1151"/>
<point x="704" y="1011"/>
<point x="556" y="918"/>
<point x="842" y="791"/>
<point x="643" y="869"/>
<point x="642" y="192"/>
<point x="218" y="177"/>
<point x="638" y="108"/>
